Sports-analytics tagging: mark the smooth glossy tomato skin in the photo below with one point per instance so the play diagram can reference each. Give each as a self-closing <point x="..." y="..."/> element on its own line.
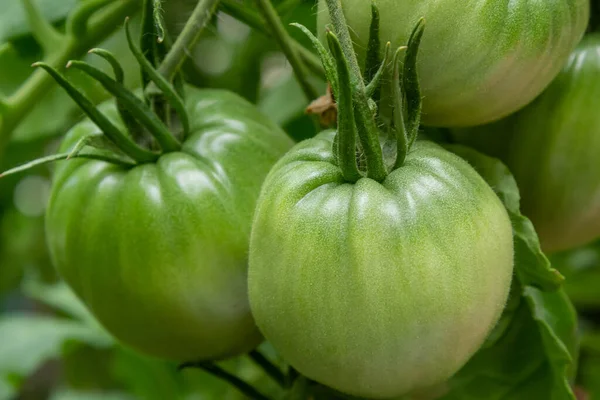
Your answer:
<point x="159" y="252"/>
<point x="480" y="60"/>
<point x="378" y="289"/>
<point x="552" y="148"/>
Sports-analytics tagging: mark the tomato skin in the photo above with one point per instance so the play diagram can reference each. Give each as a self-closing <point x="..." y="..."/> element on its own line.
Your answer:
<point x="479" y="60"/>
<point x="159" y="252"/>
<point x="378" y="289"/>
<point x="552" y="149"/>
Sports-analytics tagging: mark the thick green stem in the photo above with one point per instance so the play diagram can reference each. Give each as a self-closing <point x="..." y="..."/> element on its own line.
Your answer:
<point x="44" y="33"/>
<point x="269" y="368"/>
<point x="77" y="23"/>
<point x="283" y="39"/>
<point x="233" y="8"/>
<point x="167" y="90"/>
<point x="20" y="103"/>
<point x="346" y="130"/>
<point x="189" y="35"/>
<point x="113" y="159"/>
<point x="340" y="28"/>
<point x="368" y="132"/>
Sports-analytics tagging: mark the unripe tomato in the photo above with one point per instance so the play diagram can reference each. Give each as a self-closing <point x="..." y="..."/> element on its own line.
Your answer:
<point x="378" y="289"/>
<point x="552" y="148"/>
<point x="479" y="60"/>
<point x="158" y="252"/>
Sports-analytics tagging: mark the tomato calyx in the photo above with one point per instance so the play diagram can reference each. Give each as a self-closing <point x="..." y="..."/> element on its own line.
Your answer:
<point x="357" y="98"/>
<point x="150" y="129"/>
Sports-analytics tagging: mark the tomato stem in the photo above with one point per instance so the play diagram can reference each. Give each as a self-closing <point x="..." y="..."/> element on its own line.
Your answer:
<point x="42" y="30"/>
<point x="368" y="132"/>
<point x="200" y="17"/>
<point x="220" y="373"/>
<point x="77" y="23"/>
<point x="282" y="37"/>
<point x="236" y="10"/>
<point x="269" y="368"/>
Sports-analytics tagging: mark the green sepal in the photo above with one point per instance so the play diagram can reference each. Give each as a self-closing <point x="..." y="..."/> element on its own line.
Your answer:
<point x="329" y="64"/>
<point x="159" y="23"/>
<point x="346" y="128"/>
<point x="399" y="125"/>
<point x="373" y="61"/>
<point x="96" y="140"/>
<point x="49" y="38"/>
<point x="373" y="85"/>
<point x="134" y="128"/>
<point x="136" y="106"/>
<point x="410" y="83"/>
<point x="121" y="140"/>
<point x="167" y="89"/>
<point x="107" y="157"/>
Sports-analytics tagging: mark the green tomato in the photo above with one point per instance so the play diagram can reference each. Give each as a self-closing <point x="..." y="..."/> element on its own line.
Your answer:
<point x="552" y="149"/>
<point x="378" y="289"/>
<point x="158" y="252"/>
<point x="479" y="60"/>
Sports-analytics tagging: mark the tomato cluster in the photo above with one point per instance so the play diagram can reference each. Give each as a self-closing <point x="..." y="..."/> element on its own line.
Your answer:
<point x="376" y="267"/>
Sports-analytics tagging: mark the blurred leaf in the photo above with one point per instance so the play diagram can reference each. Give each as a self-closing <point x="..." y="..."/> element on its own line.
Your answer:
<point x="147" y="378"/>
<point x="283" y="101"/>
<point x="87" y="368"/>
<point x="54" y="114"/>
<point x="13" y="20"/>
<point x="29" y="340"/>
<point x="22" y="245"/>
<point x="589" y="376"/>
<point x="60" y="297"/>
<point x="69" y="394"/>
<point x="581" y="268"/>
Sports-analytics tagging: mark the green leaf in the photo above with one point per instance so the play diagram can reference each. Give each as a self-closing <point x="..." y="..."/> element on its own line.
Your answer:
<point x="535" y="356"/>
<point x="60" y="297"/>
<point x="13" y="21"/>
<point x="30" y="340"/>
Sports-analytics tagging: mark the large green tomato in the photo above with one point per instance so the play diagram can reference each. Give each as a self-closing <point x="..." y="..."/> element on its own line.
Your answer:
<point x="159" y="252"/>
<point x="552" y="148"/>
<point x="479" y="60"/>
<point x="378" y="289"/>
